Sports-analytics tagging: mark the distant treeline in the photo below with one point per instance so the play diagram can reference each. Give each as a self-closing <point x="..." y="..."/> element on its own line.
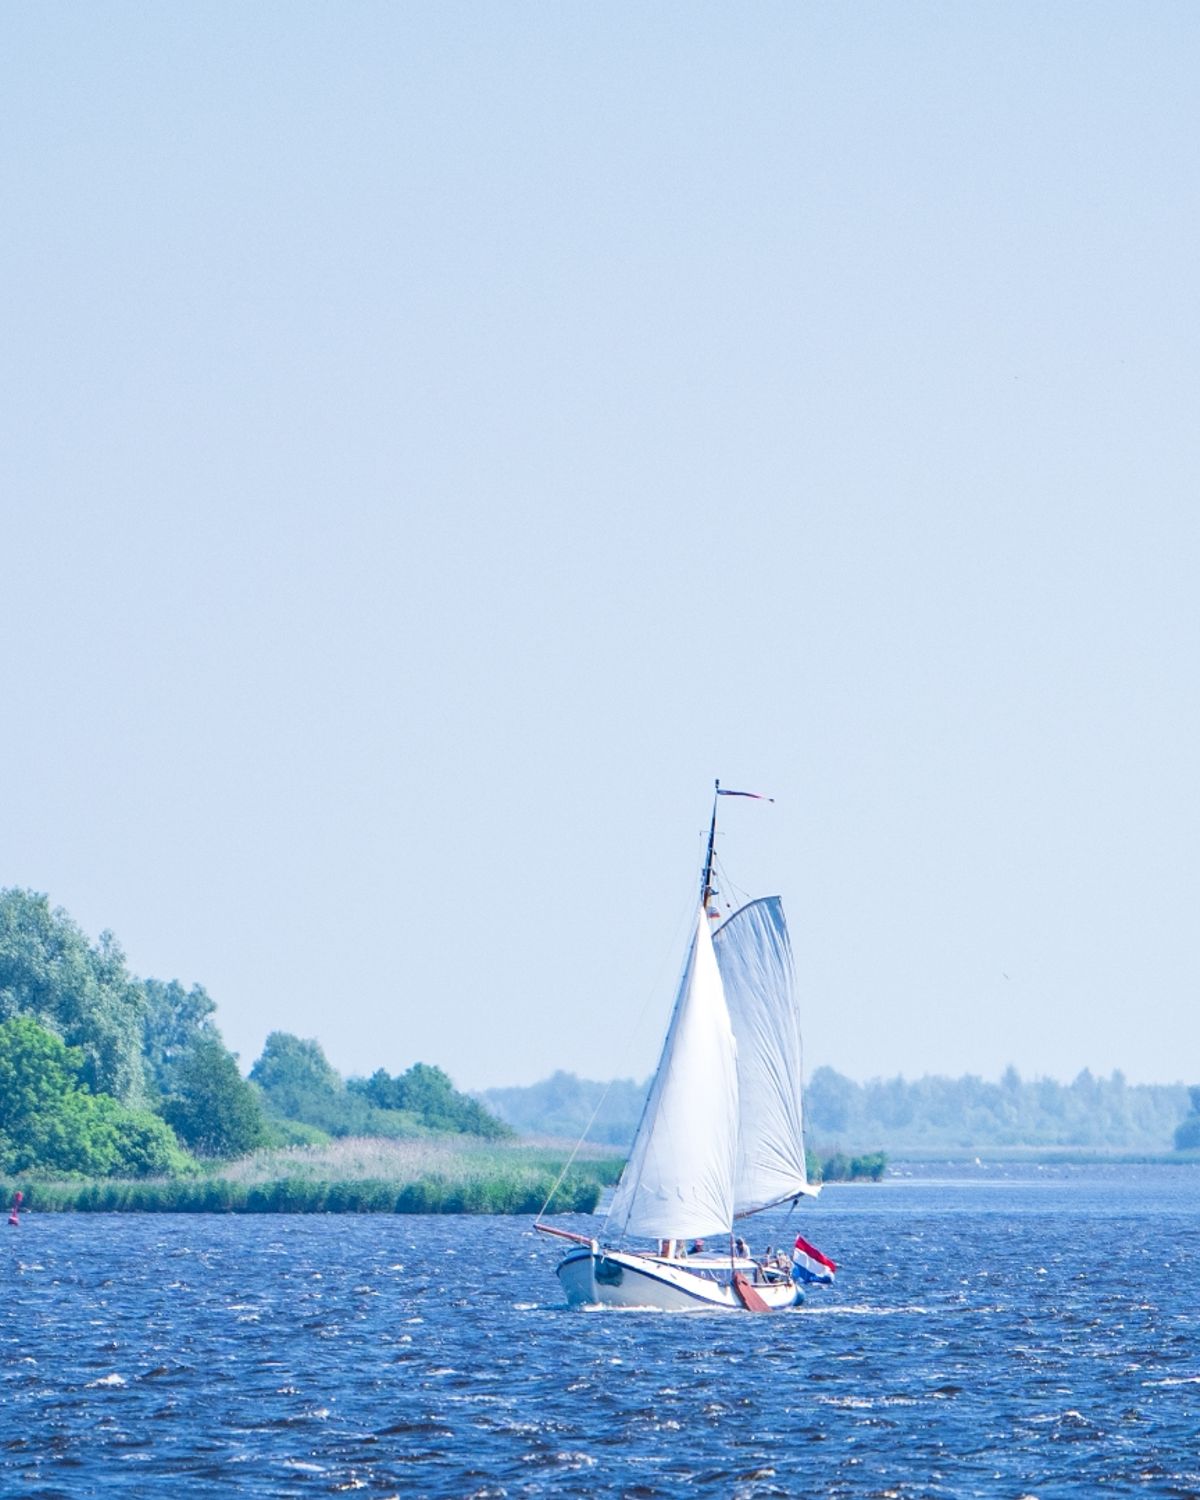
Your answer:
<point x="970" y="1112"/>
<point x="563" y="1106"/>
<point x="896" y="1115"/>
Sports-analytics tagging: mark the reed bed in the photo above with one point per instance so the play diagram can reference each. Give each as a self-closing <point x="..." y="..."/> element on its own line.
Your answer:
<point x="350" y="1176"/>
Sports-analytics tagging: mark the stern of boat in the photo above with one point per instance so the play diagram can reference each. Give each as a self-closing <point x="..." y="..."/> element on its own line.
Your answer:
<point x="593" y="1277"/>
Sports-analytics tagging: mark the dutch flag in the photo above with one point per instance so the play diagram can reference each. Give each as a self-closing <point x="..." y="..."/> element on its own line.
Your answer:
<point x="808" y="1264"/>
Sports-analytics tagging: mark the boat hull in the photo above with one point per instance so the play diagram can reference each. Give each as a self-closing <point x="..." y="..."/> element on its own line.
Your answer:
<point x="621" y="1278"/>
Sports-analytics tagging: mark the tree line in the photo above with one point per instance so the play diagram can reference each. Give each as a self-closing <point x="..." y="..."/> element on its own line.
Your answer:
<point x="104" y="1074"/>
<point x="897" y="1114"/>
<point x="934" y="1112"/>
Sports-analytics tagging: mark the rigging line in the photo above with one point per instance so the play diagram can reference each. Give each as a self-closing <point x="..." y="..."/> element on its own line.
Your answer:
<point x="653" y="993"/>
<point x="729" y="887"/>
<point x="655" y="990"/>
<point x="575" y="1152"/>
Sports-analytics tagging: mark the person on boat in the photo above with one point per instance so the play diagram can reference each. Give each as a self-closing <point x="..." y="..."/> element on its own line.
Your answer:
<point x="741" y="1247"/>
<point x="697" y="1248"/>
<point x="770" y="1262"/>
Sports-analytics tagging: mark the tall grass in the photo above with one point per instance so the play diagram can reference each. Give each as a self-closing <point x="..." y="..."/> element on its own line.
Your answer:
<point x="350" y="1176"/>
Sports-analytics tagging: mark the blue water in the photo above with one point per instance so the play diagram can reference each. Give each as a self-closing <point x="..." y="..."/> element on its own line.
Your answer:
<point x="1029" y="1335"/>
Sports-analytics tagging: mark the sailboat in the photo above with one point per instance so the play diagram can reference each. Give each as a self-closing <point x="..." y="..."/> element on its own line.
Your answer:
<point x="721" y="1136"/>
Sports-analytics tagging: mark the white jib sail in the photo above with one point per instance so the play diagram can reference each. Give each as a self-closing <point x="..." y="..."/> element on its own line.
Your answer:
<point x="678" y="1182"/>
<point x="755" y="961"/>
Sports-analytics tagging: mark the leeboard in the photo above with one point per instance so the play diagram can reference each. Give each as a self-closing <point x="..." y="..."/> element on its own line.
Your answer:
<point x="748" y="1297"/>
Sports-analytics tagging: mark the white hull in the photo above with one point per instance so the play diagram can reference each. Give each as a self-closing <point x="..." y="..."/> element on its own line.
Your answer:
<point x="621" y="1278"/>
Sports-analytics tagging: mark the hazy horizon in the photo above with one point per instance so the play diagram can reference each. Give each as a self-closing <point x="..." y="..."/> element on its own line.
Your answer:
<point x="907" y="1077"/>
<point x="440" y="439"/>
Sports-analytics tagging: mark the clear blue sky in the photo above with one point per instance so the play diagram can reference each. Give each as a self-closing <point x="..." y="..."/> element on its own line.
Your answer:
<point x="438" y="439"/>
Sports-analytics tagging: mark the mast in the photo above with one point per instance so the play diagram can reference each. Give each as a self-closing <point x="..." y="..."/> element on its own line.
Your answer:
<point x="706" y="888"/>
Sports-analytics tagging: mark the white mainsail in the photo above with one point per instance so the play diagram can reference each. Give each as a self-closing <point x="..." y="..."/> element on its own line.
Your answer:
<point x="754" y="957"/>
<point x="679" y="1180"/>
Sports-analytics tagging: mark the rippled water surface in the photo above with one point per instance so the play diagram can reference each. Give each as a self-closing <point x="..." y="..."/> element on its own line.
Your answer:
<point x="1036" y="1334"/>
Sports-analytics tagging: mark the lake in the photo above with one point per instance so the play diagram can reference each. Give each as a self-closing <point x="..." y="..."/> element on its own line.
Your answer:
<point x="1002" y="1332"/>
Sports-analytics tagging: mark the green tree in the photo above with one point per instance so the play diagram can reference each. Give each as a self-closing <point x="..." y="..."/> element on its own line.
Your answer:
<point x="49" y="970"/>
<point x="50" y="1122"/>
<point x="295" y="1074"/>
<point x="427" y="1093"/>
<point x="831" y="1101"/>
<point x="300" y="1083"/>
<point x="148" y="1146"/>
<point x="36" y="1070"/>
<point x="79" y="1134"/>
<point x="1187" y="1133"/>
<point x="173" y="1018"/>
<point x="212" y="1108"/>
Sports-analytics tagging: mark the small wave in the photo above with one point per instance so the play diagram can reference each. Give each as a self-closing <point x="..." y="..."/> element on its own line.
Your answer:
<point x="420" y="1429"/>
<point x="158" y="1371"/>
<point x="643" y="1309"/>
<point x="568" y="1459"/>
<point x="106" y="1380"/>
<point x="859" y="1310"/>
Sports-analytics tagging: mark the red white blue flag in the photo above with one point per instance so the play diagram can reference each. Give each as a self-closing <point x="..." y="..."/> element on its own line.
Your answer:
<point x="808" y="1264"/>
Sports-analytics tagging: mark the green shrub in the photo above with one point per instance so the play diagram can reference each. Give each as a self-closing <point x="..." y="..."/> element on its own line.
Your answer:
<point x="282" y="1132"/>
<point x="873" y="1165"/>
<point x="1187" y="1135"/>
